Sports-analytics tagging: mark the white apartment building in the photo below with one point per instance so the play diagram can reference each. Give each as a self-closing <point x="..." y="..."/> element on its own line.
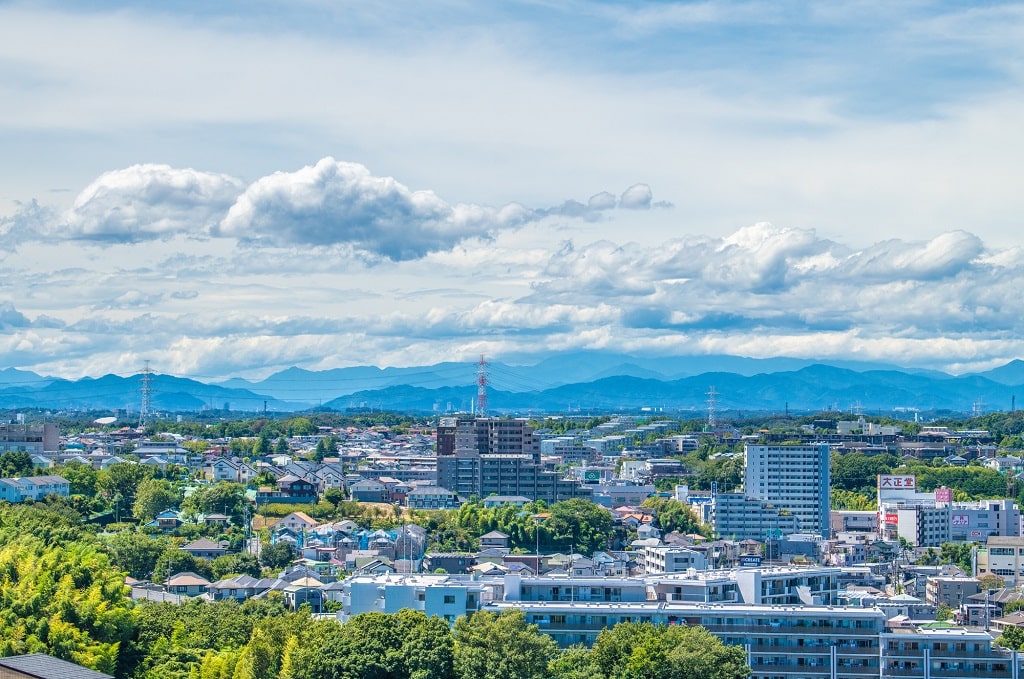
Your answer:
<point x="1002" y="556"/>
<point x="738" y="517"/>
<point x="794" y="478"/>
<point x="672" y="560"/>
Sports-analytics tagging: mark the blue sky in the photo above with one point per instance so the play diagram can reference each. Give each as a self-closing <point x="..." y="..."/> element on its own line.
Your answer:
<point x="235" y="188"/>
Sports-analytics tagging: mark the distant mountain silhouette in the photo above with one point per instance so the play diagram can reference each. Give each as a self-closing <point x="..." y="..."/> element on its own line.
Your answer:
<point x="584" y="381"/>
<point x="1011" y="374"/>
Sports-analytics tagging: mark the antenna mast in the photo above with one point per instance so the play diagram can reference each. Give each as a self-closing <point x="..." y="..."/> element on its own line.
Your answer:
<point x="146" y="394"/>
<point x="712" y="417"/>
<point x="481" y="386"/>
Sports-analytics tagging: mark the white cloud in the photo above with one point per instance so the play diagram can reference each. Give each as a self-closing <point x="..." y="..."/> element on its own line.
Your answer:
<point x="147" y="202"/>
<point x="340" y="203"/>
<point x="636" y="197"/>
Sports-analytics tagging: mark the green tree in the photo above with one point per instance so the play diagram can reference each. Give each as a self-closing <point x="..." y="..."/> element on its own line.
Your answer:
<point x="235" y="564"/>
<point x="850" y="500"/>
<point x="277" y="555"/>
<point x="152" y="497"/>
<point x="335" y="496"/>
<point x="501" y="645"/>
<point x="135" y="553"/>
<point x="15" y="463"/>
<point x="428" y="646"/>
<point x="581" y="524"/>
<point x="943" y="612"/>
<point x="1012" y="638"/>
<point x="646" y="651"/>
<point x="281" y="446"/>
<point x="224" y="497"/>
<point x="82" y="478"/>
<point x="123" y="479"/>
<point x="673" y="515"/>
<point x="261" y="447"/>
<point x="174" y="560"/>
<point x="990" y="581"/>
<point x="62" y="599"/>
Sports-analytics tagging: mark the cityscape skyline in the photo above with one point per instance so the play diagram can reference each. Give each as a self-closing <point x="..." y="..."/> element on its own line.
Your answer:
<point x="232" y="190"/>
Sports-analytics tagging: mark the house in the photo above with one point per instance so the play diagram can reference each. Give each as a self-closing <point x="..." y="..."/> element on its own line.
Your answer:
<point x="451" y="562"/>
<point x="204" y="548"/>
<point x="239" y="588"/>
<point x="494" y="539"/>
<point x="168" y="519"/>
<point x="42" y="666"/>
<point x="368" y="490"/>
<point x="216" y="519"/>
<point x="297" y="489"/>
<point x="297" y="522"/>
<point x="225" y="469"/>
<point x="308" y="591"/>
<point x="187" y="583"/>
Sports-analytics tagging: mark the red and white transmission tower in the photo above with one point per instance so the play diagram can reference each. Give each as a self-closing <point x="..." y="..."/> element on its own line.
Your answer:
<point x="481" y="386"/>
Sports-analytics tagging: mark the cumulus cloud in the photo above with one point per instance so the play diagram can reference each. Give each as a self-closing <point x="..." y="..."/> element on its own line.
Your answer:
<point x="148" y="202"/>
<point x="12" y="318"/>
<point x="335" y="202"/>
<point x="636" y="197"/>
<point x="775" y="280"/>
<point x="331" y="204"/>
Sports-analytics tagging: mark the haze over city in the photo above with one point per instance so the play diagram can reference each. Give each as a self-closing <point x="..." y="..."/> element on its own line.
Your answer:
<point x="230" y="189"/>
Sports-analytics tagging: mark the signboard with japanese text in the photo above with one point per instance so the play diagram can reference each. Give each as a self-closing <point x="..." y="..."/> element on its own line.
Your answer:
<point x="960" y="520"/>
<point x="892" y="518"/>
<point x="896" y="482"/>
<point x="943" y="494"/>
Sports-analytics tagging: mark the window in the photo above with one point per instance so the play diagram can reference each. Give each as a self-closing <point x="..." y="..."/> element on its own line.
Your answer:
<point x="449" y="598"/>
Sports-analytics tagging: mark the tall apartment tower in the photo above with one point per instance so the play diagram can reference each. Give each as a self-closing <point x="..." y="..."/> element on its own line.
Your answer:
<point x="793" y="478"/>
<point x="487" y="456"/>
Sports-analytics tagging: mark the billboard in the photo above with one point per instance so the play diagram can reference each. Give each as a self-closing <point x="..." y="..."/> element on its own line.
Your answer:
<point x="750" y="560"/>
<point x="896" y="482"/>
<point x="892" y="518"/>
<point x="943" y="494"/>
<point x="960" y="520"/>
<point x="592" y="476"/>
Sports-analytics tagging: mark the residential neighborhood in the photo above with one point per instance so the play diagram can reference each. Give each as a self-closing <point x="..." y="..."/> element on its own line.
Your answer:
<point x="346" y="521"/>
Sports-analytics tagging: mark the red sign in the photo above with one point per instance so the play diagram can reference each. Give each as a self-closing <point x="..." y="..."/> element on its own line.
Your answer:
<point x="892" y="518"/>
<point x="943" y="494"/>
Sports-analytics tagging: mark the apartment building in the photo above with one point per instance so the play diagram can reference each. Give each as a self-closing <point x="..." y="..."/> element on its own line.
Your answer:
<point x="491" y="456"/>
<point x="32" y="438"/>
<point x="33" y="487"/>
<point x="1002" y="556"/>
<point x="794" y="478"/>
<point x="759" y="609"/>
<point x="671" y="560"/>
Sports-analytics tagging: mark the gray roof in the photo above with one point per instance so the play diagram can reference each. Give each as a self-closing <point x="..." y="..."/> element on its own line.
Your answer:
<point x="47" y="667"/>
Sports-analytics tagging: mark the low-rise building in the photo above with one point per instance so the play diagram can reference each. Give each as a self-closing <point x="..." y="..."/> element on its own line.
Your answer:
<point x="23" y="488"/>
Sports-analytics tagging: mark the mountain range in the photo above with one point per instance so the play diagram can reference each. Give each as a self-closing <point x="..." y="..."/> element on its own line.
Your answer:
<point x="583" y="381"/>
